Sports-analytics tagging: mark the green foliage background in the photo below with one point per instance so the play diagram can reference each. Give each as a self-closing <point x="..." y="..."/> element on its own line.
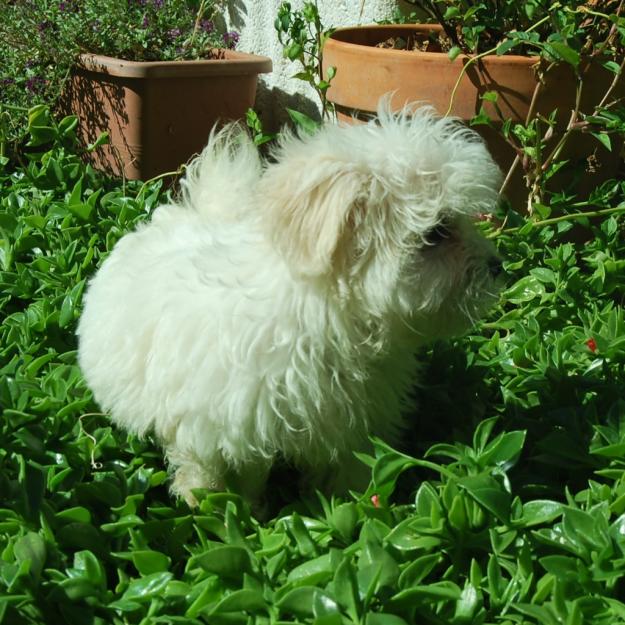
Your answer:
<point x="506" y="507"/>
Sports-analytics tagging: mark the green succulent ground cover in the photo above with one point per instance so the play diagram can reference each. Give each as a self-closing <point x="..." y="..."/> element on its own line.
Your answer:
<point x="507" y="507"/>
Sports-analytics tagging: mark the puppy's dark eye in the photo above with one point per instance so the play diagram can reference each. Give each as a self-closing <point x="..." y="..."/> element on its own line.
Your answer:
<point x="438" y="234"/>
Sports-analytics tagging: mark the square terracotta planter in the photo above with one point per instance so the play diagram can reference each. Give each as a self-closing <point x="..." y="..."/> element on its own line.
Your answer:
<point x="158" y="114"/>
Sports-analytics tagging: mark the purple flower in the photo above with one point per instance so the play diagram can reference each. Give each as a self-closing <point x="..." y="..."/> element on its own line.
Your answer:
<point x="68" y="5"/>
<point x="174" y="33"/>
<point x="35" y="84"/>
<point x="146" y="21"/>
<point x="208" y="26"/>
<point x="231" y="39"/>
<point x="158" y="4"/>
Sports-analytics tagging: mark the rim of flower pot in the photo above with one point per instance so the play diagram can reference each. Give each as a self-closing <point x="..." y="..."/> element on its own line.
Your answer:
<point x="234" y="63"/>
<point x="402" y="55"/>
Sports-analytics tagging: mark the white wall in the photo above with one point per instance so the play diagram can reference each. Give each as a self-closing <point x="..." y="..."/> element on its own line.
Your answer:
<point x="254" y="19"/>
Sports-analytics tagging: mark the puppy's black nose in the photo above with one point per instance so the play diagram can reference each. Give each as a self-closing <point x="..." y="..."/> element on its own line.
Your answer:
<point x="494" y="267"/>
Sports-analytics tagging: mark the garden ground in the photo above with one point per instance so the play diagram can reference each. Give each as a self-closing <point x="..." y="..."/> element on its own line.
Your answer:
<point x="506" y="505"/>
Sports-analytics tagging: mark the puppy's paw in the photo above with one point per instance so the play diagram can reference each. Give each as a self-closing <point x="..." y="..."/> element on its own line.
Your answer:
<point x="190" y="476"/>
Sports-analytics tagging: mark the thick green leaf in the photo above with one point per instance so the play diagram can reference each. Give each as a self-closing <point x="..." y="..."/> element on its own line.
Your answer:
<point x="149" y="562"/>
<point x="346" y="588"/>
<point x="418" y="570"/>
<point x="380" y="618"/>
<point x="426" y="594"/>
<point x="228" y="561"/>
<point x="303" y="121"/>
<point x="87" y="564"/>
<point x="540" y="511"/>
<point x="302" y="601"/>
<point x="504" y="449"/>
<point x="566" y="53"/>
<point x="147" y="588"/>
<point x="241" y="600"/>
<point x="489" y="493"/>
<point x="312" y="572"/>
<point x="525" y="290"/>
<point x="31" y="548"/>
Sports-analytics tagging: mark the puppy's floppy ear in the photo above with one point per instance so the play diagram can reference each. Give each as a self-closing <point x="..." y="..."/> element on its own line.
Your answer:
<point x="309" y="202"/>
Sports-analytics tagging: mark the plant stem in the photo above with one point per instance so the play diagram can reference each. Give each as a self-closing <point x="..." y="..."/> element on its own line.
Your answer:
<point x="471" y="60"/>
<point x="362" y="9"/>
<point x="530" y="114"/>
<point x="326" y="109"/>
<point x="166" y="174"/>
<point x="570" y="127"/>
<point x="615" y="81"/>
<point x="423" y="7"/>
<point x="450" y="32"/>
<point x="14" y="107"/>
<point x="2" y="134"/>
<point x="613" y="31"/>
<point x="476" y="58"/>
<point x="198" y="17"/>
<point x="554" y="220"/>
<point x="319" y="47"/>
<point x="585" y="215"/>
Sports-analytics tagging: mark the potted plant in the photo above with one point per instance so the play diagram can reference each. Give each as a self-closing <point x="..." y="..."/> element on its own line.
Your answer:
<point x="527" y="74"/>
<point x="155" y="75"/>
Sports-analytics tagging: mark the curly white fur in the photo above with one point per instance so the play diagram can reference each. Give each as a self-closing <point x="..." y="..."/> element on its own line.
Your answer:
<point x="276" y="309"/>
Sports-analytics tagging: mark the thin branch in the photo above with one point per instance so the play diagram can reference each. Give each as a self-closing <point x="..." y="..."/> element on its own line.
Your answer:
<point x="570" y="126"/>
<point x="613" y="84"/>
<point x="474" y="59"/>
<point x="421" y="5"/>
<point x="615" y="210"/>
<point x="528" y="117"/>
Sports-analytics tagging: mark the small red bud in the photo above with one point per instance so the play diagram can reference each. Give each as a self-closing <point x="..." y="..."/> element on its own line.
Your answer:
<point x="592" y="345"/>
<point x="375" y="500"/>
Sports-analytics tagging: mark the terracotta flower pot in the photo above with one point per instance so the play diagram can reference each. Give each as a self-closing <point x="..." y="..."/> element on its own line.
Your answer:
<point x="158" y="114"/>
<point x="366" y="72"/>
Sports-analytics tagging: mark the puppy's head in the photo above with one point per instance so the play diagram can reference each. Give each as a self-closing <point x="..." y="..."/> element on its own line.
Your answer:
<point x="385" y="212"/>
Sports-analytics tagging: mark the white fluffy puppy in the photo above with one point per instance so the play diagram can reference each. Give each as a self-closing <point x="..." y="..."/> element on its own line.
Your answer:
<point x="276" y="309"/>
